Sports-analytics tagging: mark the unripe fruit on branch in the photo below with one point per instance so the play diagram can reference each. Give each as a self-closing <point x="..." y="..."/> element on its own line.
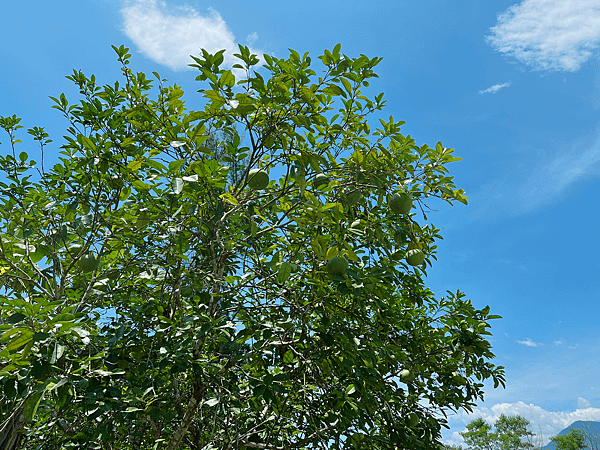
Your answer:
<point x="415" y="257"/>
<point x="407" y="375"/>
<point x="258" y="179"/>
<point x="401" y="203"/>
<point x="336" y="266"/>
<point x="87" y="263"/>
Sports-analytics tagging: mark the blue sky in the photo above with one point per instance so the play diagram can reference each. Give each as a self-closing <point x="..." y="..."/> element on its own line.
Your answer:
<point x="514" y="87"/>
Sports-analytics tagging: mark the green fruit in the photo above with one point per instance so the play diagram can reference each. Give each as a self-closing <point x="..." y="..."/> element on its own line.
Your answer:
<point x="401" y="203"/>
<point x="187" y="291"/>
<point x="350" y="198"/>
<point x="412" y="420"/>
<point x="357" y="224"/>
<point x="337" y="266"/>
<point x="407" y="375"/>
<point x="258" y="179"/>
<point x="415" y="257"/>
<point x="320" y="179"/>
<point x="87" y="263"/>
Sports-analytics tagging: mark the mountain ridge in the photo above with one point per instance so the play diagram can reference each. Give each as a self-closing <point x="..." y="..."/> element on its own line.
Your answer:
<point x="590" y="427"/>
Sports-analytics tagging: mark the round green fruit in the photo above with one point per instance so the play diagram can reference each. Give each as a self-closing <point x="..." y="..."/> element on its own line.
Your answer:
<point x="337" y="266"/>
<point x="412" y="420"/>
<point x="87" y="263"/>
<point x="401" y="203"/>
<point x="415" y="257"/>
<point x="407" y="375"/>
<point x="258" y="179"/>
<point x="321" y="180"/>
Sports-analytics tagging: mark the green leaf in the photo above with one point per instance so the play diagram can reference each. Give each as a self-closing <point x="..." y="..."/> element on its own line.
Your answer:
<point x="288" y="357"/>
<point x="15" y="318"/>
<point x="32" y="406"/>
<point x="57" y="353"/>
<point x="174" y="166"/>
<point x="285" y="270"/>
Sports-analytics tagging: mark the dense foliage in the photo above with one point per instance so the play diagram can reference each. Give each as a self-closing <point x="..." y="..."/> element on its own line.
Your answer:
<point x="155" y="297"/>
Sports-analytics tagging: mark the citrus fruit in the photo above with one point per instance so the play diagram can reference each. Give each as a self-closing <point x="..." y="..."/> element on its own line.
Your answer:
<point x="337" y="266"/>
<point x="87" y="263"/>
<point x="258" y="179"/>
<point x="401" y="203"/>
<point x="412" y="420"/>
<point x="415" y="257"/>
<point x="407" y="375"/>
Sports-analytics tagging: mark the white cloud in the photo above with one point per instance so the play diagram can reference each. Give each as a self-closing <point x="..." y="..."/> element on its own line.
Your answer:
<point x="549" y="34"/>
<point x="543" y="423"/>
<point x="583" y="403"/>
<point x="529" y="343"/>
<point x="495" y="88"/>
<point x="557" y="342"/>
<point x="169" y="37"/>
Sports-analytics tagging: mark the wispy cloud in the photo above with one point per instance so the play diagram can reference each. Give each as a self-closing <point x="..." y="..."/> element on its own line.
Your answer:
<point x="495" y="88"/>
<point x="548" y="181"/>
<point x="543" y="423"/>
<point x="529" y="343"/>
<point x="545" y="177"/>
<point x="169" y="36"/>
<point x="555" y="35"/>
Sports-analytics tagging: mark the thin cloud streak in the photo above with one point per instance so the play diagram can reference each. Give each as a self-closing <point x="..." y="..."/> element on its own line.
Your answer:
<point x="551" y="180"/>
<point x="541" y="182"/>
<point x="557" y="35"/>
<point x="170" y="37"/>
<point x="495" y="88"/>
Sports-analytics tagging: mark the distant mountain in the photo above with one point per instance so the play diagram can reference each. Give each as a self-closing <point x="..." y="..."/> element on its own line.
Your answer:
<point x="587" y="426"/>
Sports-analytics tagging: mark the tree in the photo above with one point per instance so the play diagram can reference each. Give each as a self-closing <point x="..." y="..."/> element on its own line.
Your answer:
<point x="151" y="300"/>
<point x="511" y="433"/>
<point x="574" y="440"/>
<point x="591" y="434"/>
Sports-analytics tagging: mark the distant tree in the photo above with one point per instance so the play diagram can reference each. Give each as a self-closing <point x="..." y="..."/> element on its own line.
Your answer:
<point x="574" y="440"/>
<point x="591" y="436"/>
<point x="511" y="433"/>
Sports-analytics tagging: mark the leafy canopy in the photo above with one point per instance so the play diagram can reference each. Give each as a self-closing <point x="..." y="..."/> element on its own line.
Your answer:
<point x="151" y="299"/>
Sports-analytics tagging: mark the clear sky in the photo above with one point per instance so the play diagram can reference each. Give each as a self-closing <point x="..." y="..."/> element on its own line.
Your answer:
<point x="513" y="87"/>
